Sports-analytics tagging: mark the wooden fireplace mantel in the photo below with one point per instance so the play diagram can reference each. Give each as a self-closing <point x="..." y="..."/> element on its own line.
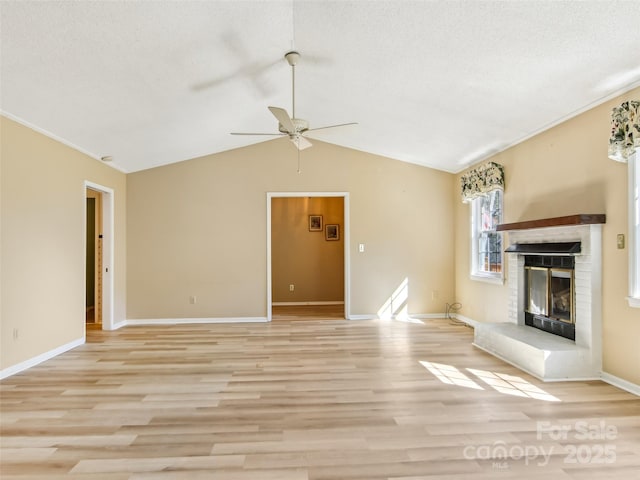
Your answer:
<point x="580" y="219"/>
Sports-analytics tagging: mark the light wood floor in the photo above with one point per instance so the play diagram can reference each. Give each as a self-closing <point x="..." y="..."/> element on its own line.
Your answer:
<point x="307" y="312"/>
<point x="307" y="400"/>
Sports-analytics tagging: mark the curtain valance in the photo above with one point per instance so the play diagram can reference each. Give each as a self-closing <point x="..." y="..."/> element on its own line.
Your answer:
<point x="625" y="131"/>
<point x="482" y="180"/>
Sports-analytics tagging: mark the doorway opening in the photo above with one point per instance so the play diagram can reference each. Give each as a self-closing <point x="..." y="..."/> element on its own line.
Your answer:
<point x="94" y="259"/>
<point x="307" y="255"/>
<point x="99" y="257"/>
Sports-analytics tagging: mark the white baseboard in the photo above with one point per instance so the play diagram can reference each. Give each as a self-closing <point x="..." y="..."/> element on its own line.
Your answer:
<point x="375" y="316"/>
<point x="177" y="321"/>
<point x="621" y="383"/>
<point x="291" y="304"/>
<point x="32" y="362"/>
<point x="362" y="317"/>
<point x="427" y="315"/>
<point x="116" y="326"/>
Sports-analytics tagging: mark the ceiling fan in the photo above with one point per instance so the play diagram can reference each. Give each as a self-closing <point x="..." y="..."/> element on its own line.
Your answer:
<point x="294" y="127"/>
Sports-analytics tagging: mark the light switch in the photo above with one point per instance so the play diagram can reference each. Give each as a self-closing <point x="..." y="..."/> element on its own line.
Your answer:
<point x="361" y="247"/>
<point x="620" y="241"/>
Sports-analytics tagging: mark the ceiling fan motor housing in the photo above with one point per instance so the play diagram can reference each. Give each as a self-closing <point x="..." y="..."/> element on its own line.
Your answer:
<point x="300" y="124"/>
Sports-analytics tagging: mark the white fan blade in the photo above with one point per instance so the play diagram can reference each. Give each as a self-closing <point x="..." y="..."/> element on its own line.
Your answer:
<point x="301" y="142"/>
<point x="332" y="126"/>
<point x="283" y="117"/>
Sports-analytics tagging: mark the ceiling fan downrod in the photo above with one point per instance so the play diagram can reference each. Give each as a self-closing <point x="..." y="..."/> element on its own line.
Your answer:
<point x="292" y="58"/>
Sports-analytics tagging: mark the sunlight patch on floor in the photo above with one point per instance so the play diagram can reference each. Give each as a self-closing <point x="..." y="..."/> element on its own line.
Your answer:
<point x="512" y="385"/>
<point x="450" y="375"/>
<point x="500" y="382"/>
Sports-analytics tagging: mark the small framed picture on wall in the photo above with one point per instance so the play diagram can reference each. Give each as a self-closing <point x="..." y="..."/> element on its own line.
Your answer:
<point x="315" y="223"/>
<point x="332" y="232"/>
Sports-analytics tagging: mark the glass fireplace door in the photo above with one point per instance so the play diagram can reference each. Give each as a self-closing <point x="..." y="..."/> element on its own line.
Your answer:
<point x="562" y="294"/>
<point x="537" y="290"/>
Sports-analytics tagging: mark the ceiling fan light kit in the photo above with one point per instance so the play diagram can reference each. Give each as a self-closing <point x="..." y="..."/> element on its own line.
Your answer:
<point x="294" y="127"/>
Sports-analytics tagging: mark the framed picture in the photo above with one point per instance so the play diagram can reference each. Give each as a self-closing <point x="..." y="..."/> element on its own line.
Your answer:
<point x="315" y="223"/>
<point x="332" y="232"/>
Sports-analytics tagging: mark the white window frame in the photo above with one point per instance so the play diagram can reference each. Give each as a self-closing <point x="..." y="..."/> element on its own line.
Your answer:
<point x="476" y="273"/>
<point x="634" y="230"/>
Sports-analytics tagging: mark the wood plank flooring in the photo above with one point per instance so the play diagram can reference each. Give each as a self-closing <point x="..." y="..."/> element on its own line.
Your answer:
<point x="311" y="400"/>
<point x="307" y="312"/>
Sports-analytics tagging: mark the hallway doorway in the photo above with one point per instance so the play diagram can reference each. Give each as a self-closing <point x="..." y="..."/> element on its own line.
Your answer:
<point x="99" y="284"/>
<point x="94" y="259"/>
<point x="307" y="254"/>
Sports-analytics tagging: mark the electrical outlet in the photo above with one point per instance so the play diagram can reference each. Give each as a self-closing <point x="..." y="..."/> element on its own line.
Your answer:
<point x="292" y="287"/>
<point x="620" y="240"/>
<point x="434" y="294"/>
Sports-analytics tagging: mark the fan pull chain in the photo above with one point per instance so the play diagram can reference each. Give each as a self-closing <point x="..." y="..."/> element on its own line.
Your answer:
<point x="298" y="140"/>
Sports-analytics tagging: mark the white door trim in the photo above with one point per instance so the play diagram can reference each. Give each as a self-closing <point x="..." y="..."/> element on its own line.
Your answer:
<point x="107" y="252"/>
<point x="345" y="236"/>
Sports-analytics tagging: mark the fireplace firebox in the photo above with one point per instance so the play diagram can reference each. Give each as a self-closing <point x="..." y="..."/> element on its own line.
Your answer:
<point x="549" y="294"/>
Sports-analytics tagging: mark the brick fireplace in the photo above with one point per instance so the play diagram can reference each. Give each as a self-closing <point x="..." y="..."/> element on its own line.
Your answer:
<point x="576" y="307"/>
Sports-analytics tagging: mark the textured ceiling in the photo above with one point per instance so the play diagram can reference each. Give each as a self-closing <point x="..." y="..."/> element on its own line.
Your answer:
<point x="437" y="83"/>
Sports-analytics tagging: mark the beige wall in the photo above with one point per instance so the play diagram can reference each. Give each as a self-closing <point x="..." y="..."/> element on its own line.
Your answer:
<point x="198" y="228"/>
<point x="565" y="171"/>
<point x="304" y="258"/>
<point x="43" y="236"/>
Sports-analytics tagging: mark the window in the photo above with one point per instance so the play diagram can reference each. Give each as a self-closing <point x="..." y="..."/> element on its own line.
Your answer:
<point x="486" y="251"/>
<point x="634" y="229"/>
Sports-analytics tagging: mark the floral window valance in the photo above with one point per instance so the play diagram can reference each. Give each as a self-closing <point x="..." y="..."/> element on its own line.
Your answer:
<point x="482" y="180"/>
<point x="625" y="131"/>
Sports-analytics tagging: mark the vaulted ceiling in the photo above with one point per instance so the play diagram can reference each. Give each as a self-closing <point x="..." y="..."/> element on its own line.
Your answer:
<point x="437" y="83"/>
